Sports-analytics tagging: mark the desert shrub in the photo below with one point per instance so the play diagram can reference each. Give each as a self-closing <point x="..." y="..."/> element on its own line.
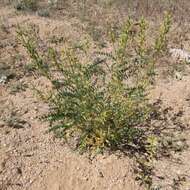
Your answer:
<point x="103" y="102"/>
<point x="44" y="13"/>
<point x="26" y="4"/>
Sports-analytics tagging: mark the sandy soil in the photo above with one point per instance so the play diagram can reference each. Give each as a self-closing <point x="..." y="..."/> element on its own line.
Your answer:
<point x="32" y="159"/>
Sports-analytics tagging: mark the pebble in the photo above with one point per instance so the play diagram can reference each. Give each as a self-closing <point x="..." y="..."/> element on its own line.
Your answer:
<point x="180" y="54"/>
<point x="3" y="79"/>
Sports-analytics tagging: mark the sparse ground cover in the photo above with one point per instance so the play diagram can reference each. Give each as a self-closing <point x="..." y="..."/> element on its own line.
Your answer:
<point x="33" y="158"/>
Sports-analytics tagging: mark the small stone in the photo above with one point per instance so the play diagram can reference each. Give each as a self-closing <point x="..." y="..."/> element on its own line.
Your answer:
<point x="101" y="174"/>
<point x="3" y="79"/>
<point x="180" y="54"/>
<point x="178" y="76"/>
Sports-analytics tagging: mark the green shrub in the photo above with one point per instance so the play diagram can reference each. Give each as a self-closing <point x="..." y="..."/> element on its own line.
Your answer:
<point x="102" y="102"/>
<point x="26" y="4"/>
<point x="44" y="13"/>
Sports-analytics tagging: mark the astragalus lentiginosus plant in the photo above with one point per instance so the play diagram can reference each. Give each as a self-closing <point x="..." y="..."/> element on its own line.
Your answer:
<point x="103" y="103"/>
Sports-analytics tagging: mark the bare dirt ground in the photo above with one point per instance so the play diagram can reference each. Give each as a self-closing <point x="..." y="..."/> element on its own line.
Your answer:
<point x="32" y="159"/>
